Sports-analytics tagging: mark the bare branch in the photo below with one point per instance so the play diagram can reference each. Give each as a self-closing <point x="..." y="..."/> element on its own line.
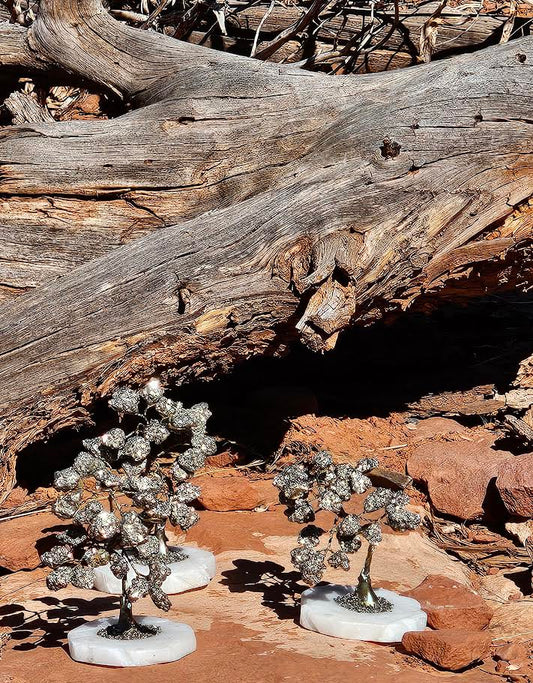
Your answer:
<point x="15" y="50"/>
<point x="428" y="35"/>
<point x="509" y="24"/>
<point x="303" y="22"/>
<point x="265" y="17"/>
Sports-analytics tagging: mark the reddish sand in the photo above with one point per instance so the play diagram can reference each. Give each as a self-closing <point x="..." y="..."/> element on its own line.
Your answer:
<point x="245" y="621"/>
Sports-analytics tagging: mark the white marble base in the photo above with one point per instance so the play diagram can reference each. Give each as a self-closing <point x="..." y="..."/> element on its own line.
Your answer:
<point x="194" y="572"/>
<point x="173" y="642"/>
<point x="319" y="612"/>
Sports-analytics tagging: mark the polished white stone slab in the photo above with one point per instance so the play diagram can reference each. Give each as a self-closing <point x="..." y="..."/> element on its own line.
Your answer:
<point x="174" y="641"/>
<point x="319" y="612"/>
<point x="194" y="572"/>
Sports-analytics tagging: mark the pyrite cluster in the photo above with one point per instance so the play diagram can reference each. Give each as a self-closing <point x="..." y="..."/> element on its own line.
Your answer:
<point x="122" y="488"/>
<point x="315" y="483"/>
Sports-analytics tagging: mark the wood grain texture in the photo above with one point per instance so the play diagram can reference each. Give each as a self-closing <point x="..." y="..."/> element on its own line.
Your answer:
<point x="24" y="108"/>
<point x="45" y="237"/>
<point x="15" y="50"/>
<point x="480" y="400"/>
<point x="288" y="204"/>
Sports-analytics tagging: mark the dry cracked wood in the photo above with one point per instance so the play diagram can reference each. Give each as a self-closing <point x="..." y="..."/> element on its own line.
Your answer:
<point x="293" y="204"/>
<point x="36" y="216"/>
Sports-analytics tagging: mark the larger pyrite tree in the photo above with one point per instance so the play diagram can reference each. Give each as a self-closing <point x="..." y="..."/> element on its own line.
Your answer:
<point x="120" y="492"/>
<point x="315" y="483"/>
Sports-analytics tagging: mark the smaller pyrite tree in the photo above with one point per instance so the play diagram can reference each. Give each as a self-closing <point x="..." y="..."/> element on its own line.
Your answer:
<point x="314" y="483"/>
<point x="119" y="494"/>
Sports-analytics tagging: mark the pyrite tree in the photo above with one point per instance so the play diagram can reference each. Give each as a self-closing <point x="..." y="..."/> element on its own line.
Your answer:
<point x="121" y="491"/>
<point x="315" y="483"/>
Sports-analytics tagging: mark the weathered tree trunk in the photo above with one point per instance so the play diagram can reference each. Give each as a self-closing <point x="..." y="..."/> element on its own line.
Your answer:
<point x="289" y="204"/>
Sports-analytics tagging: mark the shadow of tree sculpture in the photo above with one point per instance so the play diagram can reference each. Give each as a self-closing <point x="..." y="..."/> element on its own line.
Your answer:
<point x="49" y="627"/>
<point x="45" y="543"/>
<point x="281" y="589"/>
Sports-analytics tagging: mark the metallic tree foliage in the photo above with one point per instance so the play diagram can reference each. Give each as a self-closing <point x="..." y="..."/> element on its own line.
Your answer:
<point x="315" y="483"/>
<point x="120" y="492"/>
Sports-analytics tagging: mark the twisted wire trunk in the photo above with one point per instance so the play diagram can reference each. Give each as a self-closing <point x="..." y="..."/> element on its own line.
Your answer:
<point x="162" y="538"/>
<point x="364" y="589"/>
<point x="125" y="618"/>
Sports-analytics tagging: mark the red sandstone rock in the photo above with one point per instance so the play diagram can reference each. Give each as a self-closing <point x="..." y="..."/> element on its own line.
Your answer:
<point x="226" y="493"/>
<point x="496" y="588"/>
<point x="512" y="652"/>
<point x="512" y="621"/>
<point x="349" y="439"/>
<point x="449" y="604"/>
<point x="20" y="495"/>
<point x="520" y="530"/>
<point x="501" y="667"/>
<point x="17" y="496"/>
<point x="45" y="493"/>
<point x="9" y="678"/>
<point x="18" y="537"/>
<point x="435" y="427"/>
<point x="458" y="473"/>
<point x="221" y="460"/>
<point x="515" y="484"/>
<point x="451" y="649"/>
<point x="240" y="634"/>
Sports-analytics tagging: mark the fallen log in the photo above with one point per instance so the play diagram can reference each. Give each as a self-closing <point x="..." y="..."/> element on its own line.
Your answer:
<point x="297" y="204"/>
<point x="31" y="223"/>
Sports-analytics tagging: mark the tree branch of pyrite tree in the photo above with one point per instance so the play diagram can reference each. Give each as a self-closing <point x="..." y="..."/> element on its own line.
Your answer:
<point x="280" y="204"/>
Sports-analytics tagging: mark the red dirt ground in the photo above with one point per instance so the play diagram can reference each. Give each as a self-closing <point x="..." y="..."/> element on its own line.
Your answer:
<point x="245" y="620"/>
